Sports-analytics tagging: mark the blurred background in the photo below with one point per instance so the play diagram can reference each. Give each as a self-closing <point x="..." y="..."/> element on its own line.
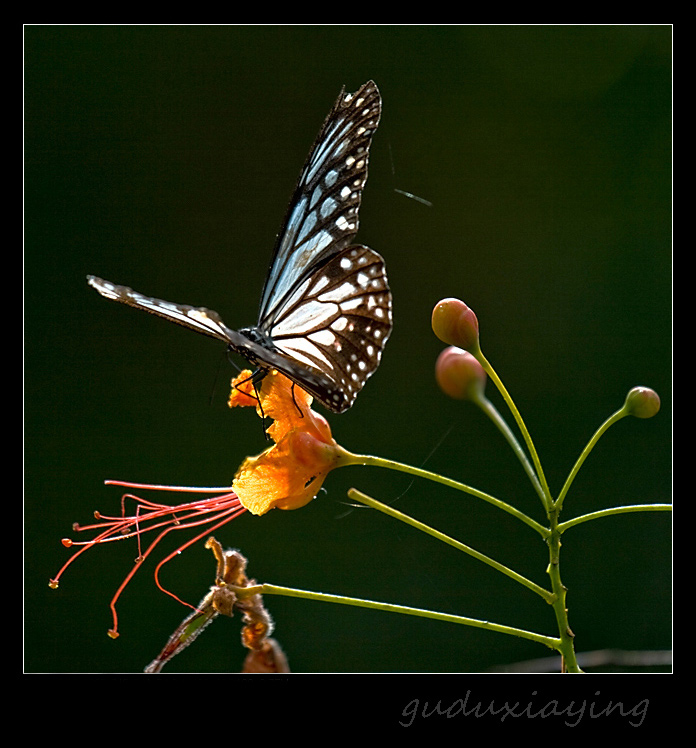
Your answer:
<point x="163" y="157"/>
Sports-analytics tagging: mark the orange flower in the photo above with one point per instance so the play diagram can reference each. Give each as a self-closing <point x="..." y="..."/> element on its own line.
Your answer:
<point x="149" y="516"/>
<point x="290" y="473"/>
<point x="287" y="475"/>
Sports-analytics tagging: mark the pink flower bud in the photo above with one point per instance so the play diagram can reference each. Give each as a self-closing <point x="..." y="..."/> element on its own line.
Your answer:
<point x="459" y="374"/>
<point x="455" y="324"/>
<point x="642" y="402"/>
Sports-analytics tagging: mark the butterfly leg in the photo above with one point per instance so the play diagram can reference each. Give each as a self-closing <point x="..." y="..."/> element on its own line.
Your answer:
<point x="299" y="410"/>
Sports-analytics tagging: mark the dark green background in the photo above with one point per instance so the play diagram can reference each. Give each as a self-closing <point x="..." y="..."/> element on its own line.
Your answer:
<point x="163" y="158"/>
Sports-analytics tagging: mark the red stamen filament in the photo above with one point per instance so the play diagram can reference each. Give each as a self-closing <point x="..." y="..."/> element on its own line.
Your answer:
<point x="212" y="513"/>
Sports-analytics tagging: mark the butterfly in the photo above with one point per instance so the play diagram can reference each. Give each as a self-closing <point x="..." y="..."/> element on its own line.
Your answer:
<point x="326" y="309"/>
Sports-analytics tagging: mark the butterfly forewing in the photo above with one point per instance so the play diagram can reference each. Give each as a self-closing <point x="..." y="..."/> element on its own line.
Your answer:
<point x="326" y="308"/>
<point x="323" y="215"/>
<point x="208" y="322"/>
<point x="203" y="320"/>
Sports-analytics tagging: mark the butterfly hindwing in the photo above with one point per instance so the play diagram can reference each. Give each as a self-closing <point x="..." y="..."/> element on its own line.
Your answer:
<point x="337" y="322"/>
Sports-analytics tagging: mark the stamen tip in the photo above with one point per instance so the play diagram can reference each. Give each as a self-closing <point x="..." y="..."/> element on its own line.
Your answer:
<point x="67" y="542"/>
<point x="53" y="584"/>
<point x="113" y="634"/>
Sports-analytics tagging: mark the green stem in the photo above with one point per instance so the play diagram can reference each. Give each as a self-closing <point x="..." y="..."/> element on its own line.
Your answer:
<point x="272" y="589"/>
<point x="368" y="501"/>
<point x="585" y="453"/>
<point x="490" y="371"/>
<point x="566" y="646"/>
<point x="492" y="412"/>
<point x="563" y="526"/>
<point x="348" y="458"/>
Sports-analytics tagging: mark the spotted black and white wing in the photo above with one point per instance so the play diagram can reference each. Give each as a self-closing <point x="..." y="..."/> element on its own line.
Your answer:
<point x="326" y="308"/>
<point x="200" y="319"/>
<point x="322" y="217"/>
<point x="335" y="325"/>
<point x="329" y="341"/>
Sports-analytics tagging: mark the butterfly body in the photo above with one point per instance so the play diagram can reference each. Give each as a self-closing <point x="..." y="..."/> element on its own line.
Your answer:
<point x="326" y="308"/>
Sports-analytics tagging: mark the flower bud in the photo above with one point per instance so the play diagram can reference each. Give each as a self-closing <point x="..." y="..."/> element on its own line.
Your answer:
<point x="455" y="324"/>
<point x="642" y="402"/>
<point x="459" y="374"/>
